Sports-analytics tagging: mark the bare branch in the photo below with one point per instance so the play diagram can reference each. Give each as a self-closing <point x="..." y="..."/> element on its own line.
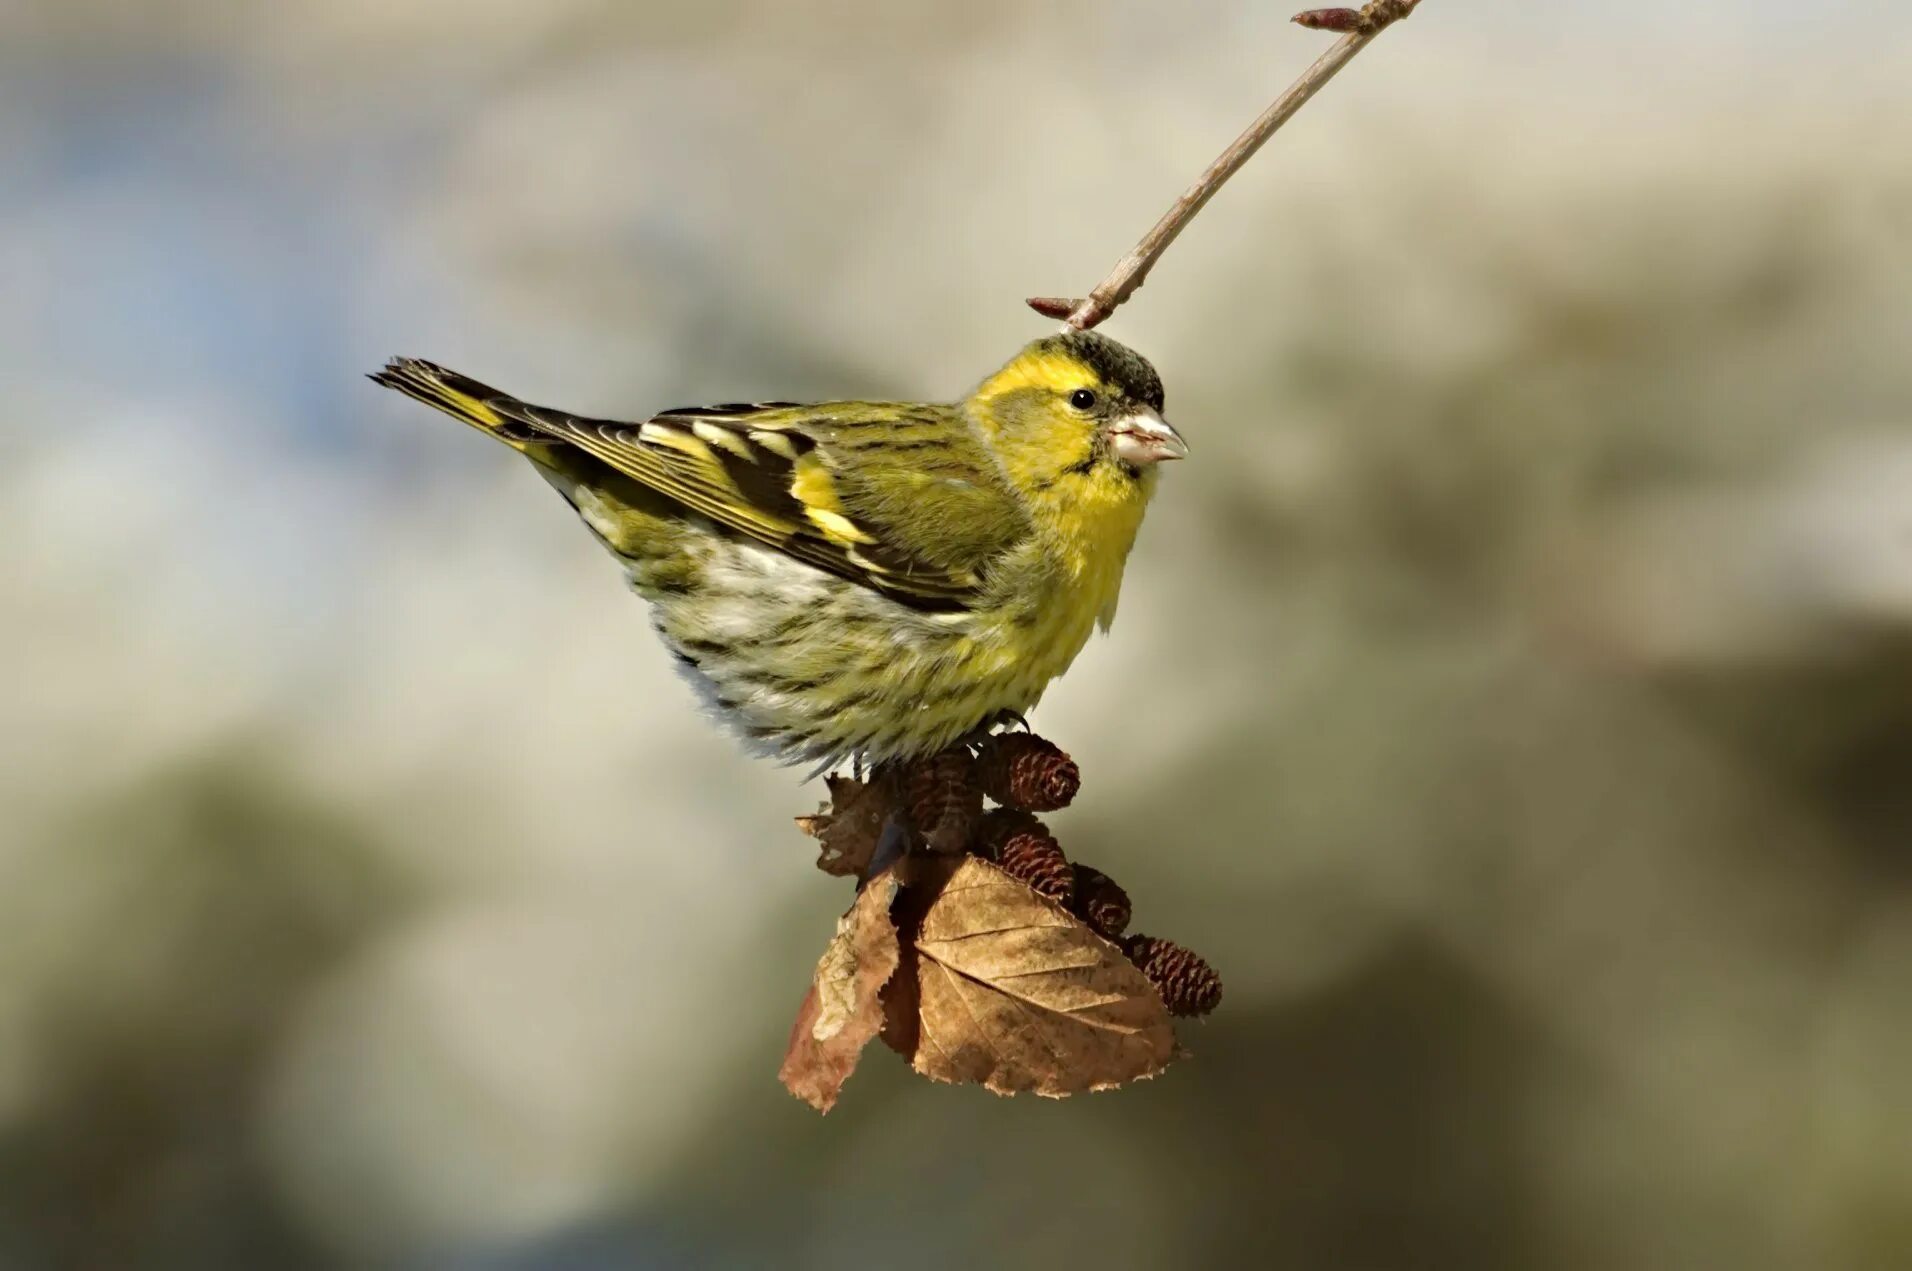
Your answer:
<point x="1361" y="26"/>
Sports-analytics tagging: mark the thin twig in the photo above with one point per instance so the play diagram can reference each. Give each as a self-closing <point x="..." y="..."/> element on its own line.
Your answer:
<point x="1361" y="26"/>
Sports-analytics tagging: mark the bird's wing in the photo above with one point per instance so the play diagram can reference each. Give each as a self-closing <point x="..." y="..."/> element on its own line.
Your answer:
<point x="898" y="497"/>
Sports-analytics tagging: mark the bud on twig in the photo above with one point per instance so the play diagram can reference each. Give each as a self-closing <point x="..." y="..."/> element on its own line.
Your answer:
<point x="1369" y="20"/>
<point x="1057" y="307"/>
<point x="1343" y="21"/>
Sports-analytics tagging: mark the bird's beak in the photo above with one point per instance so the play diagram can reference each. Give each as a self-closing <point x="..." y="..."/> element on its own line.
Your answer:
<point x="1144" y="439"/>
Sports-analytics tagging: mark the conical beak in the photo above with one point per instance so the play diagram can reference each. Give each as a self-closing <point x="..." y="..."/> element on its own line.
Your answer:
<point x="1144" y="439"/>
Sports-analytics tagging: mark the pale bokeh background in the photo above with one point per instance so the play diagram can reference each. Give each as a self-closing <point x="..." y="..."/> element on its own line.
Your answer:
<point x="1512" y="696"/>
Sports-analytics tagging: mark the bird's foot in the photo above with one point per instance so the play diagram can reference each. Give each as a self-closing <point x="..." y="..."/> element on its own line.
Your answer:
<point x="1001" y="720"/>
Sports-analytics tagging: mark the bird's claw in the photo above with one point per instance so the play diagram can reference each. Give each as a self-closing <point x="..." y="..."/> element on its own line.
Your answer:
<point x="981" y="733"/>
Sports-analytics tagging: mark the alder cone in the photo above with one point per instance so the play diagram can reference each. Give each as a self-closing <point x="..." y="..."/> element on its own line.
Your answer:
<point x="1099" y="901"/>
<point x="1028" y="853"/>
<point x="1022" y="770"/>
<point x="944" y="799"/>
<point x="996" y="828"/>
<point x="1188" y="985"/>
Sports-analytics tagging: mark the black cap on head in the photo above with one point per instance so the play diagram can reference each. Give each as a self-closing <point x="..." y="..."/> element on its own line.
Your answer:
<point x="1119" y="366"/>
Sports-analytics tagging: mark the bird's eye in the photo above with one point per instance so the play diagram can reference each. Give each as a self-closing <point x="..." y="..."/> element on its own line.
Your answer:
<point x="1082" y="399"/>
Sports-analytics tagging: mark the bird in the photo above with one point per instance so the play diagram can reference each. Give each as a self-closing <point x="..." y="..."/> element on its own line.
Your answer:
<point x="863" y="581"/>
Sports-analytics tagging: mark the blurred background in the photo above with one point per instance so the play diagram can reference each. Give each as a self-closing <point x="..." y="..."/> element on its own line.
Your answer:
<point x="1529" y="641"/>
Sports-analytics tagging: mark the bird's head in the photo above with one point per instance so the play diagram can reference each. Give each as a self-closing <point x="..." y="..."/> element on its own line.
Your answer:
<point x="1076" y="420"/>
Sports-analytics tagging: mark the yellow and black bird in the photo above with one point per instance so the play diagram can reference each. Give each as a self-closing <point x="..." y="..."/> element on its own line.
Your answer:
<point x="876" y="580"/>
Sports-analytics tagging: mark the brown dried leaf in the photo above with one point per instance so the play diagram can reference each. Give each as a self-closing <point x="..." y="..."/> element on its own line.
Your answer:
<point x="1014" y="993"/>
<point x="853" y="825"/>
<point x="843" y="1011"/>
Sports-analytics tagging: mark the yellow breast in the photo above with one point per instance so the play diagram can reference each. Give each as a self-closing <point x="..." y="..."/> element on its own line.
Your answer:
<point x="1069" y="582"/>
